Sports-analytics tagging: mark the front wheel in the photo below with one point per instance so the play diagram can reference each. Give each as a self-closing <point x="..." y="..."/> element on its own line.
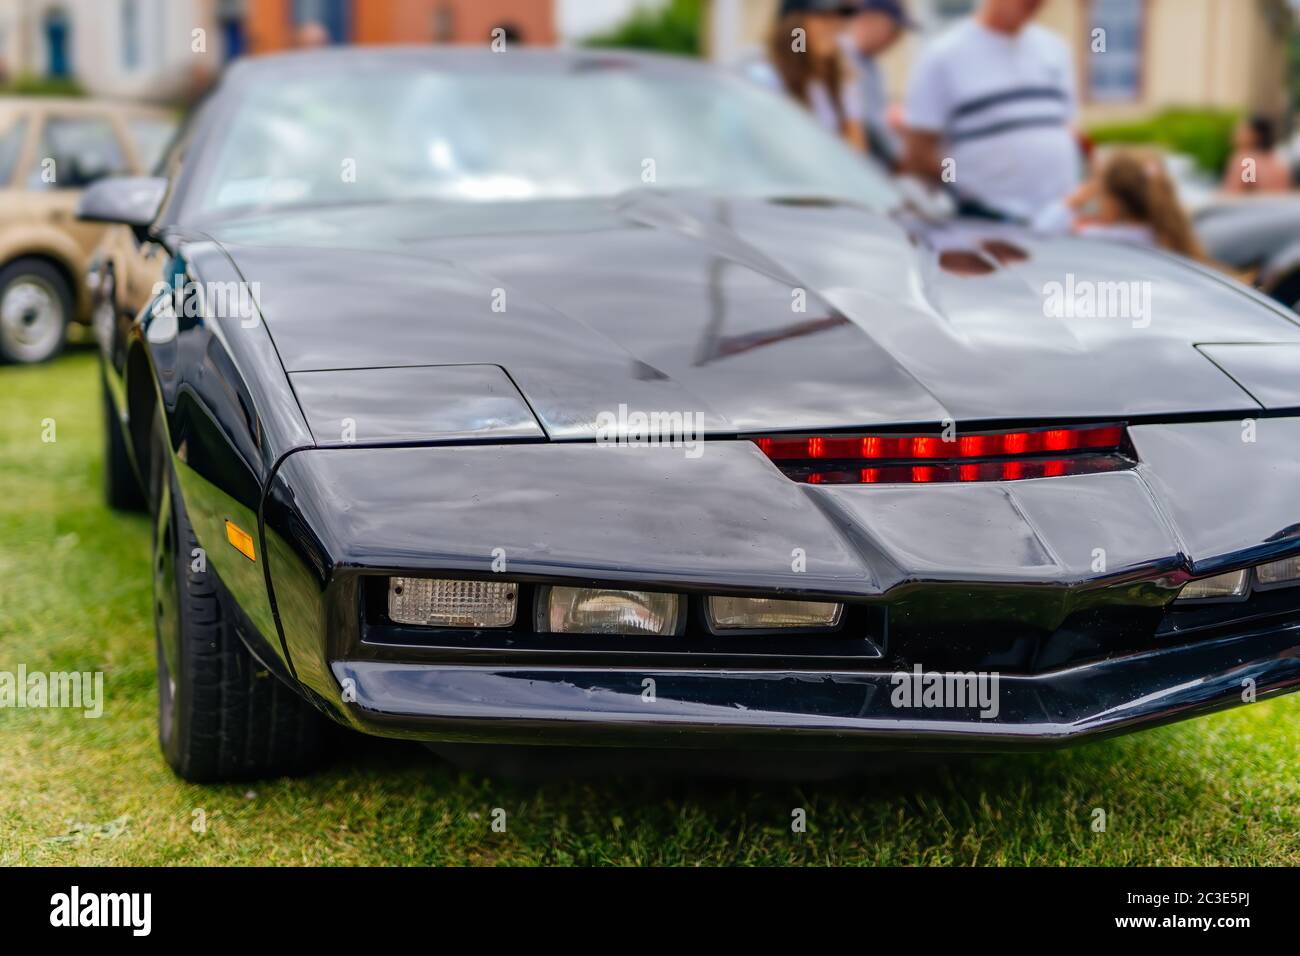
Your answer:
<point x="221" y="715"/>
<point x="35" y="307"/>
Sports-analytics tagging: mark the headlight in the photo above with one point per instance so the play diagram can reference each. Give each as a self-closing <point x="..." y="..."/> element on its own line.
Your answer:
<point x="736" y="613"/>
<point x="1286" y="571"/>
<point x="446" y="602"/>
<point x="605" y="611"/>
<point x="1230" y="585"/>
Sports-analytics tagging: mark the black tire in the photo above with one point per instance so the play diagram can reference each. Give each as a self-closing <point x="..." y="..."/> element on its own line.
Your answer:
<point x="221" y="715"/>
<point x="36" y="306"/>
<point x="122" y="490"/>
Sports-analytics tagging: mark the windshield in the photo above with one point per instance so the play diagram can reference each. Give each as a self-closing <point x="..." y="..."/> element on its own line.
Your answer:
<point x="410" y="134"/>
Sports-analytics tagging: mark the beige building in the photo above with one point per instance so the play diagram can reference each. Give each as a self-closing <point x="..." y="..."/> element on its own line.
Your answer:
<point x="1156" y="54"/>
<point x="139" y="49"/>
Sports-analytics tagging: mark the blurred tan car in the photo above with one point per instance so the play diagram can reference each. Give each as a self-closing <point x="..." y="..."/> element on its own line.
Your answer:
<point x="50" y="150"/>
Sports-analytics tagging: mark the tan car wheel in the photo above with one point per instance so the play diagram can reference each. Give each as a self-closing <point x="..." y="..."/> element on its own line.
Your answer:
<point x="35" y="304"/>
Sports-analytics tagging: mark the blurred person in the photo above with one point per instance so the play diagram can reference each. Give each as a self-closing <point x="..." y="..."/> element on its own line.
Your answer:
<point x="873" y="30"/>
<point x="1255" y="166"/>
<point x="990" y="111"/>
<point x="312" y="36"/>
<point x="1128" y="198"/>
<point x="814" y="68"/>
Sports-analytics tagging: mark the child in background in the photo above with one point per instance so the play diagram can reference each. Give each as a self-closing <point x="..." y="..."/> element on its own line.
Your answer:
<point x="1128" y="198"/>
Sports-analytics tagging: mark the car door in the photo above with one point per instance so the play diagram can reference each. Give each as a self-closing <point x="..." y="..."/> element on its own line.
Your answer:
<point x="73" y="149"/>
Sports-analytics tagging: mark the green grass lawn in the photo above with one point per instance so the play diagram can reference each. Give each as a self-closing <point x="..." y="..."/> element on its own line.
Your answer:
<point x="74" y="595"/>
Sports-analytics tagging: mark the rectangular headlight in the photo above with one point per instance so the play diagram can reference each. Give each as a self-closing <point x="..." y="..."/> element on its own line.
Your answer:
<point x="446" y="602"/>
<point x="608" y="611"/>
<point x="1286" y="571"/>
<point x="737" y="613"/>
<point x="1232" y="584"/>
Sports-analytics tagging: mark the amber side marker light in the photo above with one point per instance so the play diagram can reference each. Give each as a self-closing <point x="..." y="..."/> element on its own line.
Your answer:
<point x="985" y="456"/>
<point x="240" y="540"/>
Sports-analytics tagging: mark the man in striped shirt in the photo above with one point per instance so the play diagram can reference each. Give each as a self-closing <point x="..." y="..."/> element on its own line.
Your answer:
<point x="990" y="110"/>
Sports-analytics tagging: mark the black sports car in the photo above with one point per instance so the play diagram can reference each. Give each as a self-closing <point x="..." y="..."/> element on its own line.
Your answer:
<point x="589" y="399"/>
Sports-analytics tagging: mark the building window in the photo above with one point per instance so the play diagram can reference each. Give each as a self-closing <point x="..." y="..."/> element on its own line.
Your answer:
<point x="230" y="23"/>
<point x="57" y="29"/>
<point x="1114" y="50"/>
<point x="233" y="40"/>
<point x="130" y="34"/>
<point x="331" y="14"/>
<point x="944" y="12"/>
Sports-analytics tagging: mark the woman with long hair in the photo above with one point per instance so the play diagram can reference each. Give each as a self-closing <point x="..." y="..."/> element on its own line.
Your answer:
<point x="809" y="57"/>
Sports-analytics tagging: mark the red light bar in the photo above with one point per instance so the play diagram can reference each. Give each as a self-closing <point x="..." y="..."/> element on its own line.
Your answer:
<point x="1016" y="455"/>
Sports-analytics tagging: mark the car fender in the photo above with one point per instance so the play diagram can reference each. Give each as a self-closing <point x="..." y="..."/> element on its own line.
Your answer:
<point x="229" y="415"/>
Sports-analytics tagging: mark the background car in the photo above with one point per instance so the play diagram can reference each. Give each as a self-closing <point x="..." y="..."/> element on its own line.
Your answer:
<point x="1259" y="237"/>
<point x="50" y="150"/>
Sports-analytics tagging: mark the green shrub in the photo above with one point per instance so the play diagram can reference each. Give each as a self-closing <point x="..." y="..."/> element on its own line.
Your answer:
<point x="1205" y="135"/>
<point x="675" y="28"/>
<point x="31" y="85"/>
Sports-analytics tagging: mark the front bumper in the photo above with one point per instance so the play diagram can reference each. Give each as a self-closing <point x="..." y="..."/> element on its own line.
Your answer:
<point x="997" y="580"/>
<point x="837" y="710"/>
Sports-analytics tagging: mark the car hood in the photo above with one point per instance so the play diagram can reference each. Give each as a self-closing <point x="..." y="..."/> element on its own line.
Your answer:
<point x="756" y="314"/>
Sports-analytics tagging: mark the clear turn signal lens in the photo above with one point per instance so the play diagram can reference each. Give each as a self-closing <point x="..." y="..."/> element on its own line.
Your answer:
<point x="447" y="602"/>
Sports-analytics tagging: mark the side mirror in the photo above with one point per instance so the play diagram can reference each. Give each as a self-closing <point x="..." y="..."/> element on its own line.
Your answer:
<point x="129" y="200"/>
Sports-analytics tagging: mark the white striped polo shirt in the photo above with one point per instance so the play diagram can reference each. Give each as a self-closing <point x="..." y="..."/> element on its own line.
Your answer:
<point x="1003" y="106"/>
